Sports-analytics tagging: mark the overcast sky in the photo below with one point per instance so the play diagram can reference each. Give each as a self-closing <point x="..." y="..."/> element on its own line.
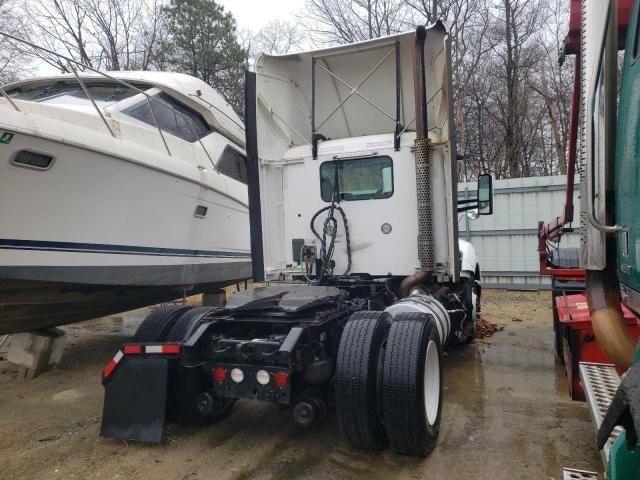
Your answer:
<point x="253" y="14"/>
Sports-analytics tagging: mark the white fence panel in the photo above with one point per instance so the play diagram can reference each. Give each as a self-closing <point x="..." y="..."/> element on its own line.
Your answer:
<point x="507" y="241"/>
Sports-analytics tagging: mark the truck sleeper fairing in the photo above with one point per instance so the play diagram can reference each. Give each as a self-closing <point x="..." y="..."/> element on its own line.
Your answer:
<point x="355" y="101"/>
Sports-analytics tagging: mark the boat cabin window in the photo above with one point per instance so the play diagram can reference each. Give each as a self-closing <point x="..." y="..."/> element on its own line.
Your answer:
<point x="358" y="178"/>
<point x="69" y="93"/>
<point x="233" y="164"/>
<point x="189" y="126"/>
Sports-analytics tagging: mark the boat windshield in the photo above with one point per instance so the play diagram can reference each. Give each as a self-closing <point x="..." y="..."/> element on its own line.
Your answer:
<point x="64" y="93"/>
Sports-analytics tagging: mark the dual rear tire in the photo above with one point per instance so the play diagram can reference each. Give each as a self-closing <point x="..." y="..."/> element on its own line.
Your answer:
<point x="358" y="383"/>
<point x="188" y="398"/>
<point x="389" y="382"/>
<point x="159" y="323"/>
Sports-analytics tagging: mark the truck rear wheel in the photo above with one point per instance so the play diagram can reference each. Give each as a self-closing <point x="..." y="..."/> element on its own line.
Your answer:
<point x="190" y="401"/>
<point x="187" y="323"/>
<point x="412" y="384"/>
<point x="358" y="379"/>
<point x="157" y="325"/>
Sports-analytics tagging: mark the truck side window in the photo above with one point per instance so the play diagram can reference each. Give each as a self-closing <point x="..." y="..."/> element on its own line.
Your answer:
<point x="233" y="164"/>
<point x="189" y="126"/>
<point x="358" y="179"/>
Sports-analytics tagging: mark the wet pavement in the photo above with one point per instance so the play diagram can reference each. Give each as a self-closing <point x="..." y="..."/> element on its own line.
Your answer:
<point x="507" y="415"/>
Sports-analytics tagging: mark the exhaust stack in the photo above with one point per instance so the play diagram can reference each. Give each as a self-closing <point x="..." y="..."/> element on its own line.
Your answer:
<point x="423" y="158"/>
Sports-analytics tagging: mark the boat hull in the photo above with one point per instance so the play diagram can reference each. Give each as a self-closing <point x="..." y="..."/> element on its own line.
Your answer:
<point x="98" y="233"/>
<point x="33" y="305"/>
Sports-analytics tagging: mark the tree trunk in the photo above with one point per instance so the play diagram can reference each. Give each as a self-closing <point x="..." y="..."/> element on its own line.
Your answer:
<point x="555" y="126"/>
<point x="511" y="134"/>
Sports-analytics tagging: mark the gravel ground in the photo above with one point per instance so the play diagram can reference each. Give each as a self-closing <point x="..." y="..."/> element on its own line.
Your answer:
<point x="507" y="415"/>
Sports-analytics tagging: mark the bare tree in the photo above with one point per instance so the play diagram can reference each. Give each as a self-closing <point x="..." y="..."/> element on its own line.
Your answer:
<point x="468" y="22"/>
<point x="60" y="26"/>
<point x="334" y="22"/>
<point x="516" y="26"/>
<point x="14" y="59"/>
<point x="152" y="36"/>
<point x="277" y="37"/>
<point x="556" y="78"/>
<point x="108" y="34"/>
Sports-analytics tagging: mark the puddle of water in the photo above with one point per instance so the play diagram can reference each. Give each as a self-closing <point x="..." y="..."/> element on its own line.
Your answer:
<point x="507" y="408"/>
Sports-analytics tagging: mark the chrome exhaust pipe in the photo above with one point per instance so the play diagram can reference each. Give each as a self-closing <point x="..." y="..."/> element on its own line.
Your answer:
<point x="609" y="325"/>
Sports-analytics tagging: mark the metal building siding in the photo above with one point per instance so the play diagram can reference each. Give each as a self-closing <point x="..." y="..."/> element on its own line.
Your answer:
<point x="507" y="241"/>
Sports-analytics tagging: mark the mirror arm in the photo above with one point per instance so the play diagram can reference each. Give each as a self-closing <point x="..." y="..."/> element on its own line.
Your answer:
<point x="467" y="201"/>
<point x="467" y="208"/>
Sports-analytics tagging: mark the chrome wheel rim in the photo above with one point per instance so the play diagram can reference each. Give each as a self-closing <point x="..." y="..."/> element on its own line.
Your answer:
<point x="431" y="383"/>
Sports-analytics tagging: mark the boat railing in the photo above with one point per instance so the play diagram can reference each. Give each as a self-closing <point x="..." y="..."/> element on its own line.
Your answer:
<point x="72" y="66"/>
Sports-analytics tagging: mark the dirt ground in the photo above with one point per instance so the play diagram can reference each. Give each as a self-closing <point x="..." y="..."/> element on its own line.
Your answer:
<point x="507" y="415"/>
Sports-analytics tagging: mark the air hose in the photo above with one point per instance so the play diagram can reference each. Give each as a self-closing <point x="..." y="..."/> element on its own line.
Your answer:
<point x="330" y="229"/>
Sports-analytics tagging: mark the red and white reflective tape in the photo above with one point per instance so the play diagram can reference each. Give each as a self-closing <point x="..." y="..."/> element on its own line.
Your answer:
<point x="164" y="349"/>
<point x="133" y="349"/>
<point x="167" y="348"/>
<point x="111" y="366"/>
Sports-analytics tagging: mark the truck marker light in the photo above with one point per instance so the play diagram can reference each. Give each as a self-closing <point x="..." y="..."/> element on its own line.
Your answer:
<point x="263" y="377"/>
<point x="133" y="349"/>
<point x="281" y="379"/>
<point x="237" y="375"/>
<point x="220" y="374"/>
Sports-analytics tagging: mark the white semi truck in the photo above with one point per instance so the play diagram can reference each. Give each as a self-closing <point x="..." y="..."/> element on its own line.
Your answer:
<point x="353" y="211"/>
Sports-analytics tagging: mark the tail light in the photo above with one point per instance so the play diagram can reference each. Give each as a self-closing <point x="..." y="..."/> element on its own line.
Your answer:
<point x="220" y="374"/>
<point x="281" y="379"/>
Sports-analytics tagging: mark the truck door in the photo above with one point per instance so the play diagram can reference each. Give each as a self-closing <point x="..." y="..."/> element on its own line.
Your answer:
<point x="628" y="164"/>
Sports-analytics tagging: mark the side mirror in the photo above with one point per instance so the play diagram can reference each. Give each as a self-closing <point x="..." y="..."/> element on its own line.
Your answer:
<point x="485" y="195"/>
<point x="483" y="203"/>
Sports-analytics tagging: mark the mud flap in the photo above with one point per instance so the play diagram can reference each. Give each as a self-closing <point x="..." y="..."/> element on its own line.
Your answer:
<point x="135" y="400"/>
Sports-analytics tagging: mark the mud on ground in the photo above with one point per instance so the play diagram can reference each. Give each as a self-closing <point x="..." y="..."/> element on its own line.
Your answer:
<point x="507" y="415"/>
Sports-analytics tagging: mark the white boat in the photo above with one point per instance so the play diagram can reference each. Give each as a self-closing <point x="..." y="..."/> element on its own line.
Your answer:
<point x="117" y="190"/>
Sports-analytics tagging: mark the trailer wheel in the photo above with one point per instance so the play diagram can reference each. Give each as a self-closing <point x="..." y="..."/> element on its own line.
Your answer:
<point x="189" y="399"/>
<point x="412" y="384"/>
<point x="358" y="379"/>
<point x="157" y="325"/>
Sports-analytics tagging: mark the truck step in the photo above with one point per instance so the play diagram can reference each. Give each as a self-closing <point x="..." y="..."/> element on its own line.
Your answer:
<point x="574" y="474"/>
<point x="600" y="382"/>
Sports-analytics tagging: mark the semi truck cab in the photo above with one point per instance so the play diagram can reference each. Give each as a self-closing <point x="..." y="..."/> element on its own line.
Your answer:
<point x="353" y="212"/>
